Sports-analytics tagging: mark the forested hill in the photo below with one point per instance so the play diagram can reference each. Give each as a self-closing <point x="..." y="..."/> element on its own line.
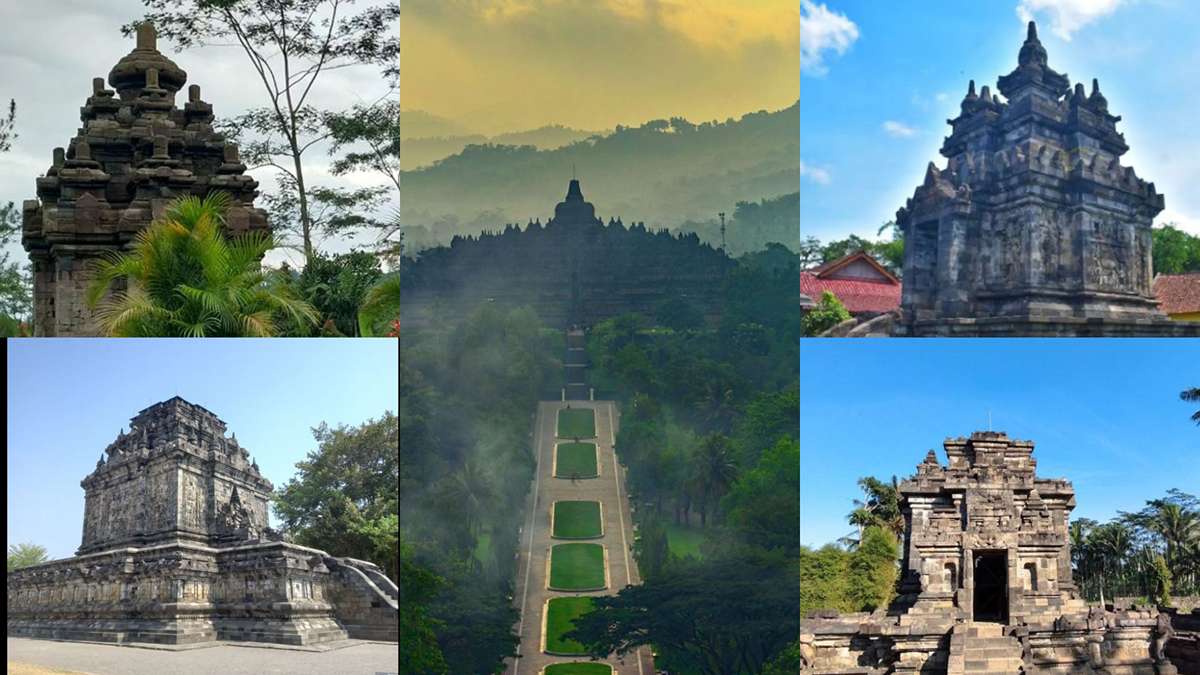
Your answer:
<point x="419" y="152"/>
<point x="664" y="173"/>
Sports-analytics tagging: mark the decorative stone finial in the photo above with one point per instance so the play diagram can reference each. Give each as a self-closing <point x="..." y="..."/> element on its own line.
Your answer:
<point x="82" y="149"/>
<point x="1097" y="99"/>
<point x="60" y="157"/>
<point x="152" y="78"/>
<point x="194" y="93"/>
<point x="1079" y="96"/>
<point x="985" y="94"/>
<point x="147" y="38"/>
<point x="231" y="155"/>
<point x="1032" y="52"/>
<point x="97" y="86"/>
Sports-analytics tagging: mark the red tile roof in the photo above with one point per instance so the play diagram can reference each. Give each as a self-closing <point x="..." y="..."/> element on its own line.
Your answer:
<point x="858" y="295"/>
<point x="1178" y="293"/>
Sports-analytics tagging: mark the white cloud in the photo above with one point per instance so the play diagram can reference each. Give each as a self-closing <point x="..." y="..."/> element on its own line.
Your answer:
<point x="815" y="174"/>
<point x="1067" y="16"/>
<point x="822" y="30"/>
<point x="1187" y="223"/>
<point x="898" y="130"/>
<point x="942" y="97"/>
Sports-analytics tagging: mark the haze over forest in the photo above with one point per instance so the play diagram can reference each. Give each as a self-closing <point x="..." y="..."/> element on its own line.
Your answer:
<point x="664" y="172"/>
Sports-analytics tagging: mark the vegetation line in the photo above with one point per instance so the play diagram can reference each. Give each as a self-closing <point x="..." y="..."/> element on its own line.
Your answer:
<point x="537" y="478"/>
<point x="612" y="439"/>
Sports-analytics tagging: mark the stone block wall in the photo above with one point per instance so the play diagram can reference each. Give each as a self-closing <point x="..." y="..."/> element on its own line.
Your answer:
<point x="366" y="601"/>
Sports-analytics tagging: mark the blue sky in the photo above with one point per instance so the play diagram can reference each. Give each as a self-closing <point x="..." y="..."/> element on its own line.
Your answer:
<point x="67" y="399"/>
<point x="879" y="80"/>
<point x="1104" y="414"/>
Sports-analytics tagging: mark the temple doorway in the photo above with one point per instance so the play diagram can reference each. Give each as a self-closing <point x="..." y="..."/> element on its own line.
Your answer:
<point x="990" y="600"/>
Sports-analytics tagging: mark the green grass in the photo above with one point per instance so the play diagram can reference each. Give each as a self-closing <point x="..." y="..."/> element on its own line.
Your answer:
<point x="577" y="567"/>
<point x="559" y="617"/>
<point x="579" y="669"/>
<point x="577" y="423"/>
<point x="576" y="458"/>
<point x="683" y="540"/>
<point x="577" y="520"/>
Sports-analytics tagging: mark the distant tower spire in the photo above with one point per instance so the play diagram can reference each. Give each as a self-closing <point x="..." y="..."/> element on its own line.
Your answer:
<point x="722" y="214"/>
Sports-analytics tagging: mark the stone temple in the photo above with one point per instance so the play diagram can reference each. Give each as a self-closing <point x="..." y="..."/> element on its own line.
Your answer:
<point x="574" y="270"/>
<point x="986" y="582"/>
<point x="176" y="549"/>
<point x="1034" y="228"/>
<point x="135" y="152"/>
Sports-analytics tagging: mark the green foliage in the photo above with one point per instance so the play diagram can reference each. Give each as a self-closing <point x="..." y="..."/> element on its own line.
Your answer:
<point x="679" y="314"/>
<point x="337" y="285"/>
<point x="380" y="306"/>
<point x="828" y="313"/>
<point x="25" y="555"/>
<point x="888" y="252"/>
<point x="1192" y="395"/>
<point x="467" y="390"/>
<point x="560" y="615"/>
<point x="1162" y="582"/>
<point x="832" y="578"/>
<point x="725" y="616"/>
<point x="1175" y="251"/>
<point x="16" y="281"/>
<point x="651" y="547"/>
<point x="344" y="498"/>
<point x="786" y="663"/>
<point x="754" y="226"/>
<point x="823" y="579"/>
<point x="764" y="504"/>
<point x="187" y="279"/>
<point x="419" y="651"/>
<point x="872" y="576"/>
<point x="369" y="137"/>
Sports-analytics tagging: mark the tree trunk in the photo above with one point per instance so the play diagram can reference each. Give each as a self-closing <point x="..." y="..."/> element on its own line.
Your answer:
<point x="302" y="193"/>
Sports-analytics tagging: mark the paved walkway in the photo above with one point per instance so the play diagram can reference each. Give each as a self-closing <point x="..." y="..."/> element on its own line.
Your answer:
<point x="369" y="658"/>
<point x="609" y="489"/>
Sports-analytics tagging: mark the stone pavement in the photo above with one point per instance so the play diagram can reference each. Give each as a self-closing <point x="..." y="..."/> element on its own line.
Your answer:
<point x="359" y="658"/>
<point x="609" y="490"/>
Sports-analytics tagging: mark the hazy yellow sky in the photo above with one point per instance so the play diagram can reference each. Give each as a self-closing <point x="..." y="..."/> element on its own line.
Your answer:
<point x="508" y="65"/>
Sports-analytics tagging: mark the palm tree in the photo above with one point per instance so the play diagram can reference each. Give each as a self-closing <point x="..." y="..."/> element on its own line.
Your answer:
<point x="1112" y="543"/>
<point x="187" y="279"/>
<point x="713" y="471"/>
<point x="881" y="508"/>
<point x="1192" y="395"/>
<point x="472" y="492"/>
<point x="381" y="303"/>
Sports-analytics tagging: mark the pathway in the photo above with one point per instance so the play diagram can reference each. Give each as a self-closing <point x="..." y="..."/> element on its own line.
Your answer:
<point x="609" y="489"/>
<point x="362" y="658"/>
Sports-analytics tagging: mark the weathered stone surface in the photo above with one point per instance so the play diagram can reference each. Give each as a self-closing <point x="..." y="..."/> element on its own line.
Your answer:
<point x="986" y="582"/>
<point x="135" y="152"/>
<point x="1034" y="227"/>
<point x="176" y="549"/>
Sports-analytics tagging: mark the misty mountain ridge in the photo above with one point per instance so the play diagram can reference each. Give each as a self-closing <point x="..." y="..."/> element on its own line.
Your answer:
<point x="664" y="173"/>
<point x="420" y="152"/>
<point x="420" y="124"/>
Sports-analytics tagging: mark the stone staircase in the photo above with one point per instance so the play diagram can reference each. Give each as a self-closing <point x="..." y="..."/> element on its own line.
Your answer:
<point x="983" y="648"/>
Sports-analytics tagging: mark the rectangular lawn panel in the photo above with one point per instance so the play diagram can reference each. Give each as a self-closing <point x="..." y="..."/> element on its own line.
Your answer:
<point x="577" y="520"/>
<point x="577" y="567"/>
<point x="578" y="669"/>
<point x="576" y="459"/>
<point x="559" y="617"/>
<point x="577" y="423"/>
